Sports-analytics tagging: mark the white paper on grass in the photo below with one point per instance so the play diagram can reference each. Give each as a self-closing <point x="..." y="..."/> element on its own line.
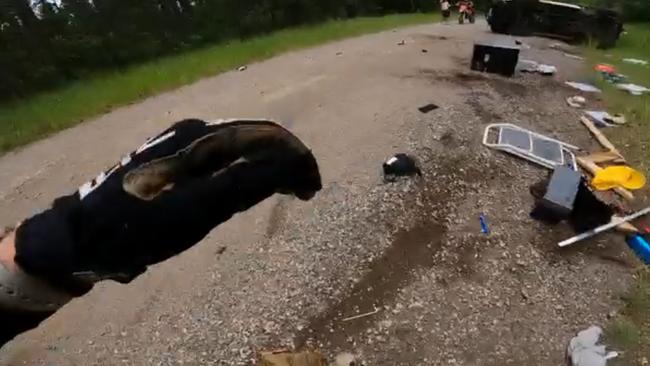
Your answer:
<point x="633" y="88"/>
<point x="635" y="61"/>
<point x="583" y="87"/>
<point x="584" y="349"/>
<point x="601" y="117"/>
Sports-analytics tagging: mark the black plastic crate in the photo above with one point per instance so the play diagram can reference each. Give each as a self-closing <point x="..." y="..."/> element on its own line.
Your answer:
<point x="495" y="58"/>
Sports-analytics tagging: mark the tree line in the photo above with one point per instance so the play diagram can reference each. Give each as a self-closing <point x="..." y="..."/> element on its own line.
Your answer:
<point x="45" y="43"/>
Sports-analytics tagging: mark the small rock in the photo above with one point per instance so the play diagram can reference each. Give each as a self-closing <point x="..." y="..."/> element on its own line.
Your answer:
<point x="339" y="53"/>
<point x="401" y="43"/>
<point x="644" y="361"/>
<point x="242" y="68"/>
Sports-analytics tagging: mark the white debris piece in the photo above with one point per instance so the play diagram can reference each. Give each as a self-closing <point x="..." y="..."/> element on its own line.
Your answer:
<point x="575" y="57"/>
<point x="576" y="101"/>
<point x="528" y="65"/>
<point x="242" y="68"/>
<point x="584" y="349"/>
<point x="635" y="61"/>
<point x="633" y="88"/>
<point x="534" y="66"/>
<point x="583" y="87"/>
<point x="546" y="69"/>
<point x="602" y="118"/>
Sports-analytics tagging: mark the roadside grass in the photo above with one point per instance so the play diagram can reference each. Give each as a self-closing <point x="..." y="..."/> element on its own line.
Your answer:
<point x="629" y="332"/>
<point x="27" y="120"/>
<point x="634" y="44"/>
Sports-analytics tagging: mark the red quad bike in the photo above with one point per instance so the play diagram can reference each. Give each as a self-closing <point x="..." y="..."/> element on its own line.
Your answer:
<point x="466" y="11"/>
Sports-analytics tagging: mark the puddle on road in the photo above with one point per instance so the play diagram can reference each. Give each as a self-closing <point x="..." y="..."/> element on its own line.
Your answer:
<point x="410" y="251"/>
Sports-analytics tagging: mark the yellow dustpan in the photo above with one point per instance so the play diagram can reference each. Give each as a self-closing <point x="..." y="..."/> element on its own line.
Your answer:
<point x="618" y="176"/>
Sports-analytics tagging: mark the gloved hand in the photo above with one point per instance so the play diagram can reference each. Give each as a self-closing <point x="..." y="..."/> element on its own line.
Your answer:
<point x="166" y="198"/>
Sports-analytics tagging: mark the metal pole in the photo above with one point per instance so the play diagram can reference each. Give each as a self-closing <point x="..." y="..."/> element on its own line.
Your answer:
<point x="603" y="228"/>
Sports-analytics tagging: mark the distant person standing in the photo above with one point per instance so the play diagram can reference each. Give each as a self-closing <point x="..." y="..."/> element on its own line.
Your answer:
<point x="445" y="8"/>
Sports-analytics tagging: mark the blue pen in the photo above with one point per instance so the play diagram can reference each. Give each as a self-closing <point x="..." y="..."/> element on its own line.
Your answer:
<point x="484" y="225"/>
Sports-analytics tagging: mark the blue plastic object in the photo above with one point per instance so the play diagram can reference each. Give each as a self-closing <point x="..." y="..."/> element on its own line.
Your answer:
<point x="640" y="246"/>
<point x="484" y="225"/>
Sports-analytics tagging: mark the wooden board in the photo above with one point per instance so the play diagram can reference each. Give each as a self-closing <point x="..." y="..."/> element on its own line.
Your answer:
<point x="604" y="141"/>
<point x="605" y="157"/>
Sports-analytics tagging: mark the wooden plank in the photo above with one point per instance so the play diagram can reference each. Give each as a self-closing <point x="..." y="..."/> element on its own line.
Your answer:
<point x="605" y="157"/>
<point x="592" y="168"/>
<point x="604" y="141"/>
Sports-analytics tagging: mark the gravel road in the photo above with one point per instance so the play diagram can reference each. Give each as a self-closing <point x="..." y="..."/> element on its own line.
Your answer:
<point x="287" y="272"/>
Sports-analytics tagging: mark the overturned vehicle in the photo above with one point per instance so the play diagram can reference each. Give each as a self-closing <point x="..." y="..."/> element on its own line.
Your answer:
<point x="570" y="22"/>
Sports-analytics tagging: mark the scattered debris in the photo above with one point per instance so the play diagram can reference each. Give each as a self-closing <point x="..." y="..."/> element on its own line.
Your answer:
<point x="590" y="163"/>
<point x="604" y="228"/>
<point x="546" y="69"/>
<point x="428" y="108"/>
<point x="522" y="45"/>
<point x="606" y="68"/>
<point x="584" y="349"/>
<point x="528" y="65"/>
<point x="365" y="315"/>
<point x="588" y="211"/>
<point x="576" y="101"/>
<point x="613" y="78"/>
<point x="529" y="145"/>
<point x="339" y="53"/>
<point x="561" y="47"/>
<point x="534" y="66"/>
<point x="633" y="88"/>
<point x="401" y="43"/>
<point x="242" y="68"/>
<point x="583" y="87"/>
<point x="345" y="359"/>
<point x="495" y="58"/>
<point x="593" y="169"/>
<point x="618" y="176"/>
<point x="400" y="165"/>
<point x="287" y="358"/>
<point x="639" y="244"/>
<point x="425" y="50"/>
<point x="602" y="118"/>
<point x="604" y="141"/>
<point x="484" y="225"/>
<point x="635" y="61"/>
<point x="573" y="56"/>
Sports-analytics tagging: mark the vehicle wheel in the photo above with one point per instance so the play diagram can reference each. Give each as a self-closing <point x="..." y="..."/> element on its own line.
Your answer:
<point x="472" y="19"/>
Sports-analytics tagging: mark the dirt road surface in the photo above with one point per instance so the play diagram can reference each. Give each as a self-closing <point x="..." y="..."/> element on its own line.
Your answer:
<point x="286" y="273"/>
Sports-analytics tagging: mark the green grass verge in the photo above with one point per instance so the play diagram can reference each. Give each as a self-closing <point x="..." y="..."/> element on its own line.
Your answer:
<point x="27" y="120"/>
<point x="629" y="332"/>
<point x="634" y="44"/>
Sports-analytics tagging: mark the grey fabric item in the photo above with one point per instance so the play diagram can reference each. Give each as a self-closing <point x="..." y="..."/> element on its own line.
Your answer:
<point x="584" y="349"/>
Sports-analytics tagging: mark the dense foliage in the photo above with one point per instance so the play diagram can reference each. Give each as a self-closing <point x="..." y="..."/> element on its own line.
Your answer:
<point x="44" y="43"/>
